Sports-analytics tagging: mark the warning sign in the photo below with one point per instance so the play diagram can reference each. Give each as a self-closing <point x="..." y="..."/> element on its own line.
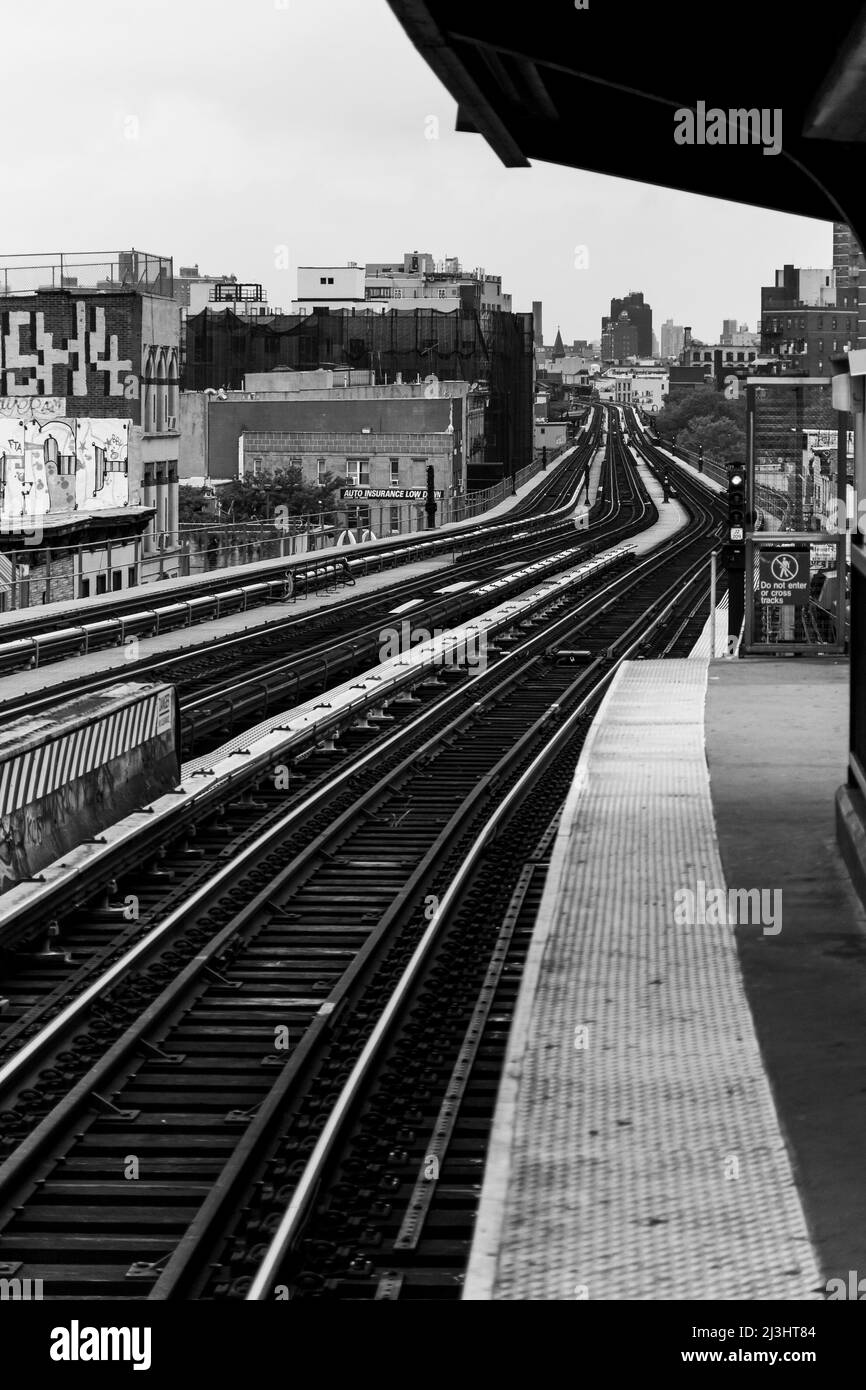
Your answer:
<point x="164" y="711"/>
<point x="783" y="576"/>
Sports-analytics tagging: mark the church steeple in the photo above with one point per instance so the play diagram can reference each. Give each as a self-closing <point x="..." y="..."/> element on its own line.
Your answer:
<point x="558" y="349"/>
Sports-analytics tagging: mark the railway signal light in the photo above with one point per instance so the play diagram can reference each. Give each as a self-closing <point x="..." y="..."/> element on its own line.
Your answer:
<point x="737" y="505"/>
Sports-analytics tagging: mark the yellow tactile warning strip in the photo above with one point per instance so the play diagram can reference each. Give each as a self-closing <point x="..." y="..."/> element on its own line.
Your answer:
<point x="636" y="1152"/>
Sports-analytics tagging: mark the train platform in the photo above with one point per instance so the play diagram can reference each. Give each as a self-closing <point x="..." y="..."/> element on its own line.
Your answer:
<point x="691" y="470"/>
<point x="682" y="1111"/>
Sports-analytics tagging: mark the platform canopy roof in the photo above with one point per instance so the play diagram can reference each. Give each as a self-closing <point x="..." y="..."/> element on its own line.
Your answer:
<point x="598" y="88"/>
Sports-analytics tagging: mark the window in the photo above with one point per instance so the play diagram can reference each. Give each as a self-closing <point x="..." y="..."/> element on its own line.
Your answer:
<point x="358" y="472"/>
<point x="173" y="388"/>
<point x="395" y="520"/>
<point x="330" y="279"/>
<point x="820" y="344"/>
<point x="85" y="589"/>
<point x="130" y="577"/>
<point x="820" y="366"/>
<point x="101" y="583"/>
<point x="160" y="389"/>
<point x="322" y="280"/>
<point x="116" y="579"/>
<point x="150" y="389"/>
<point x="834" y="323"/>
<point x="820" y="323"/>
<point x="395" y="473"/>
<point x="320" y="470"/>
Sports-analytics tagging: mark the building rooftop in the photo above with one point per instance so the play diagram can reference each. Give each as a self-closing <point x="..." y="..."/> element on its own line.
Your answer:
<point x="139" y="272"/>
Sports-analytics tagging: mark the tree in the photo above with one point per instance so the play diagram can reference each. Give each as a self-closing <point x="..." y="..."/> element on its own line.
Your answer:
<point x="721" y="439"/>
<point x="257" y="496"/>
<point x="705" y="416"/>
<point x="195" y="507"/>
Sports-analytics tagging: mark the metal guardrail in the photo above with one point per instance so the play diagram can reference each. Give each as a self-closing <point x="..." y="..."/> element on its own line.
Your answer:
<point x="483" y="500"/>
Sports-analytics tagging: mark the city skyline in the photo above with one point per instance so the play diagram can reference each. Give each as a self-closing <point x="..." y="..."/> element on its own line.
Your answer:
<point x="288" y="173"/>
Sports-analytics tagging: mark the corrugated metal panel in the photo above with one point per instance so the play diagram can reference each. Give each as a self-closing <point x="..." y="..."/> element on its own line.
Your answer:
<point x="37" y="771"/>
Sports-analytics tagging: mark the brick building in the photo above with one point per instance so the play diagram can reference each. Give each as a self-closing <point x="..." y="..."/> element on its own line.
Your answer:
<point x="806" y="318"/>
<point x="385" y="474"/>
<point x="89" y="400"/>
<point x="378" y="439"/>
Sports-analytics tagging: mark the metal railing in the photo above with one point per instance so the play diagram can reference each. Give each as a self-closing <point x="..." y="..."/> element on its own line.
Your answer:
<point x="29" y="273"/>
<point x="461" y="508"/>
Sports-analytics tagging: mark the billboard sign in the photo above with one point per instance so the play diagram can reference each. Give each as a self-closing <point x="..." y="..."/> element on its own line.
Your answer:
<point x="388" y="494"/>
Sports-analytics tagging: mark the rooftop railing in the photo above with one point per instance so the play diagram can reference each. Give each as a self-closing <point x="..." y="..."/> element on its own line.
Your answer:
<point x="93" y="271"/>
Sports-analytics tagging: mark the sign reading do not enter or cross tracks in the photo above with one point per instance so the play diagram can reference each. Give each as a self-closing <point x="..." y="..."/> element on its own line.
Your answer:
<point x="783" y="576"/>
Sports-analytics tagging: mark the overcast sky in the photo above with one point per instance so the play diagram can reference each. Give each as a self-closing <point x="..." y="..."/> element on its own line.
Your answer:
<point x="246" y="136"/>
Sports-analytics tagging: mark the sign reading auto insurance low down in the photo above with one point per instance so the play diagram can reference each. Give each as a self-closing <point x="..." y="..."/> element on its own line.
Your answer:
<point x="783" y="576"/>
<point x="388" y="494"/>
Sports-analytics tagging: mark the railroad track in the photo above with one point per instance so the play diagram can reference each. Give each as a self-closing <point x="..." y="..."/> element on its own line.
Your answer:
<point x="219" y="1044"/>
<point x="294" y="653"/>
<point x="112" y="619"/>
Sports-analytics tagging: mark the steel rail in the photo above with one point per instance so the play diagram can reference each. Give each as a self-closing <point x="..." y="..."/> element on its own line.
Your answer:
<point x="308" y="1184"/>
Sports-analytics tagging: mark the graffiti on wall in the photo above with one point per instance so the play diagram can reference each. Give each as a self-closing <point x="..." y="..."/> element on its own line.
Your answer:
<point x="32" y="408"/>
<point x="62" y="465"/>
<point x="80" y="355"/>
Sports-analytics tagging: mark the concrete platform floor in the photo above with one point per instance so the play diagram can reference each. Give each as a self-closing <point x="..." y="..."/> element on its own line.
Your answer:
<point x="776" y="746"/>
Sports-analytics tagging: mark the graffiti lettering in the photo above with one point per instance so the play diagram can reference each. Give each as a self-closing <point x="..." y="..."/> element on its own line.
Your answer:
<point x="31" y="364"/>
<point x="32" y="407"/>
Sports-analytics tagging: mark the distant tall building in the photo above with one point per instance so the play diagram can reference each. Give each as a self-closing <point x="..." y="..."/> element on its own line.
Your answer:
<point x="848" y="259"/>
<point x="672" y="338"/>
<point x="729" y="328"/>
<point x="620" y="338"/>
<point x="655" y="346"/>
<point x="536" y="323"/>
<point x="640" y="315"/>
